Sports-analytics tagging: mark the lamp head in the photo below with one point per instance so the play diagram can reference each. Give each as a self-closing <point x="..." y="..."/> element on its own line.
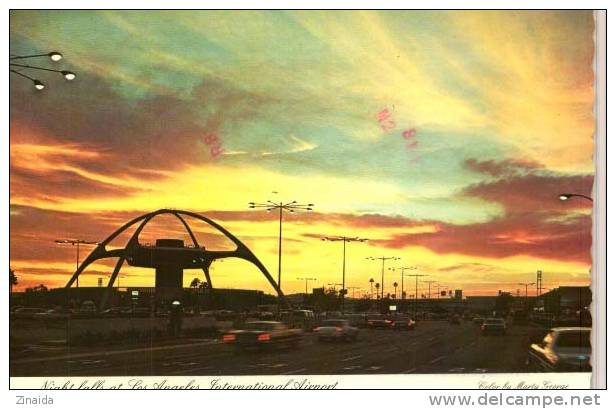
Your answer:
<point x="55" y="56"/>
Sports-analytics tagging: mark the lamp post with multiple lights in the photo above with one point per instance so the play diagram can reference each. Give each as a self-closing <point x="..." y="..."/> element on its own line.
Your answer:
<point x="416" y="295"/>
<point x="382" y="269"/>
<point x="402" y="270"/>
<point x="77" y="243"/>
<point x="18" y="67"/>
<point x="344" y="241"/>
<point x="526" y="285"/>
<point x="306" y="279"/>
<point x="290" y="207"/>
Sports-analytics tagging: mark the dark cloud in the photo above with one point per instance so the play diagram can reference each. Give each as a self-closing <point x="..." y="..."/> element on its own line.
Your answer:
<point x="157" y="132"/>
<point x="535" y="222"/>
<point x="501" y="168"/>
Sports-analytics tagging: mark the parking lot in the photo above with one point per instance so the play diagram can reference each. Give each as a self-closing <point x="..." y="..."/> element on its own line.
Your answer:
<point x="433" y="347"/>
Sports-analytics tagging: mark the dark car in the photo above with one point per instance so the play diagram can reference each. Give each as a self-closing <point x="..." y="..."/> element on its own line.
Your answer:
<point x="478" y="320"/>
<point x="263" y="334"/>
<point x="28" y="312"/>
<point x="379" y="323"/>
<point x="494" y="326"/>
<point x="403" y="324"/>
<point x="563" y="349"/>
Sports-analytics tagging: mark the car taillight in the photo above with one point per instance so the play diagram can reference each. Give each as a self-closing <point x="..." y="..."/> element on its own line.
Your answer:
<point x="388" y="322"/>
<point x="410" y="324"/>
<point x="317" y="329"/>
<point x="338" y="329"/>
<point x="228" y="338"/>
<point x="263" y="337"/>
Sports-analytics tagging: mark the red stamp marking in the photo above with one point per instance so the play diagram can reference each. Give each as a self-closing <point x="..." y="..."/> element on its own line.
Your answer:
<point x="384" y="118"/>
<point x="409" y="133"/>
<point x="212" y="140"/>
<point x="387" y="124"/>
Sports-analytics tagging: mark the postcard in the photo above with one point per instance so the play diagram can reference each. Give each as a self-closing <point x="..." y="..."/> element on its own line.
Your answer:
<point x="276" y="199"/>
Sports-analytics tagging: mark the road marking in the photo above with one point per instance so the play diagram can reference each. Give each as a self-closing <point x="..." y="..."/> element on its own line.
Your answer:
<point x="278" y="365"/>
<point x="117" y="352"/>
<point x="293" y="372"/>
<point x="440" y="358"/>
<point x="374" y="368"/>
<point x="351" y="368"/>
<point x="409" y="370"/>
<point x="352" y="358"/>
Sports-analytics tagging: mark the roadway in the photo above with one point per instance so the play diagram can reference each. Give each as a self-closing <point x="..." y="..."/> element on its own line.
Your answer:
<point x="433" y="347"/>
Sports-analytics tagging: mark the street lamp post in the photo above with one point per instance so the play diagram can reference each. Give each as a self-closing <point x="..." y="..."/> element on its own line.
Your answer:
<point x="382" y="269"/>
<point x="416" y="283"/>
<point x="430" y="282"/>
<point x="306" y="279"/>
<point x="567" y="196"/>
<point x="402" y="270"/>
<point x="344" y="241"/>
<point x="353" y="291"/>
<point x="438" y="290"/>
<point x="77" y="243"/>
<point x="526" y="285"/>
<point x="54" y="56"/>
<point x="291" y="207"/>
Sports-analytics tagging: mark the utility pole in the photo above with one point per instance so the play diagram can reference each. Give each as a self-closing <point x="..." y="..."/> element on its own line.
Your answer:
<point x="539" y="283"/>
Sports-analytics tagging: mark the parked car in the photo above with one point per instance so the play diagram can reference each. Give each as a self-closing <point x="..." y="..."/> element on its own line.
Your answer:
<point x="336" y="330"/>
<point x="494" y="326"/>
<point x="402" y="323"/>
<point x="563" y="349"/>
<point x="379" y="323"/>
<point x="112" y="312"/>
<point x="262" y="334"/>
<point x="27" y="312"/>
<point x="478" y="320"/>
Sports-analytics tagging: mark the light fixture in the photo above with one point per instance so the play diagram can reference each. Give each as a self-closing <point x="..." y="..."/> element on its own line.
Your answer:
<point x="16" y="64"/>
<point x="55" y="56"/>
<point x="68" y="75"/>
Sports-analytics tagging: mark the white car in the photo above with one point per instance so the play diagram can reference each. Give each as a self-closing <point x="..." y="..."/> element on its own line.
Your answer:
<point x="336" y="330"/>
<point x="564" y="349"/>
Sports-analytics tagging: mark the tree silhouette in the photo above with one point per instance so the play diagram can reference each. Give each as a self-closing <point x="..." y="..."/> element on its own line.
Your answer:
<point x="12" y="278"/>
<point x="195" y="283"/>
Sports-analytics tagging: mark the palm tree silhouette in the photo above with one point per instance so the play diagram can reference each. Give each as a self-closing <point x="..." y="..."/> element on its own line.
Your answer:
<point x="195" y="283"/>
<point x="395" y="290"/>
<point x="12" y="278"/>
<point x="371" y="283"/>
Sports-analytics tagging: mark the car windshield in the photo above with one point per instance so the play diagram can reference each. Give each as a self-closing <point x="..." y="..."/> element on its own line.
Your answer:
<point x="574" y="339"/>
<point x="333" y="323"/>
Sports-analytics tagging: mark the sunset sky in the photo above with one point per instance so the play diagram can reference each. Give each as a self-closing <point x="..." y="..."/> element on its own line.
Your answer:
<point x="489" y="119"/>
